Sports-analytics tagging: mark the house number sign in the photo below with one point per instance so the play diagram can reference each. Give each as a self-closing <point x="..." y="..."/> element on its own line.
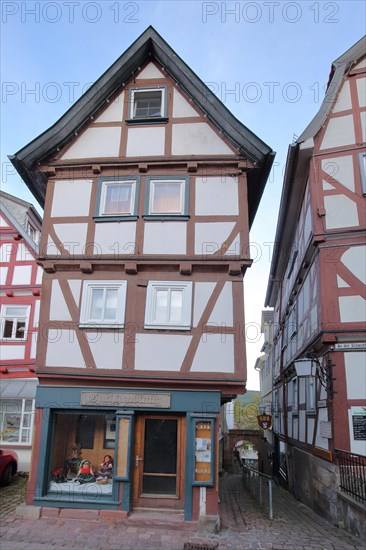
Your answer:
<point x="110" y="399"/>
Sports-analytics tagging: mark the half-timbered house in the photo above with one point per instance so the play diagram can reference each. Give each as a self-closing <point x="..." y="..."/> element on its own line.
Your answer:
<point x="21" y="277"/>
<point x="149" y="186"/>
<point x="317" y="290"/>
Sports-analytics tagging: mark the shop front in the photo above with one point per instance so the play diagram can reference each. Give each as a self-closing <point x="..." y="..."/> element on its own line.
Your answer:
<point x="127" y="450"/>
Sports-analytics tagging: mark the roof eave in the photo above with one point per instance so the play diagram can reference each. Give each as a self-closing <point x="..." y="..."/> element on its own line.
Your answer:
<point x="298" y="154"/>
<point x="19" y="228"/>
<point x="295" y="180"/>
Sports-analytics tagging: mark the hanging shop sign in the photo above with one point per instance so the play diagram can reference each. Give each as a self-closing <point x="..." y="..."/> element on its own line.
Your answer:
<point x="265" y="421"/>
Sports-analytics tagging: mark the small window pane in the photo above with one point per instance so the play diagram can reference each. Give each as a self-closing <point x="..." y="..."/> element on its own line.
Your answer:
<point x="161" y="305"/>
<point x="111" y="304"/>
<point x="118" y="199"/>
<point x="25" y="436"/>
<point x="19" y="333"/>
<point x="8" y="328"/>
<point x="166" y="198"/>
<point x="96" y="309"/>
<point x="27" y="421"/>
<point x="147" y="104"/>
<point x="28" y="405"/>
<point x="176" y="304"/>
<point x="16" y="311"/>
<point x="11" y="427"/>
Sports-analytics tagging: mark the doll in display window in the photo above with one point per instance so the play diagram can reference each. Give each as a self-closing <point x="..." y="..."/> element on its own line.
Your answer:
<point x="85" y="473"/>
<point x="105" y="471"/>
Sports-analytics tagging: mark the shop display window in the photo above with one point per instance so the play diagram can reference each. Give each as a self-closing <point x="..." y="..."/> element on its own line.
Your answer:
<point x="82" y="457"/>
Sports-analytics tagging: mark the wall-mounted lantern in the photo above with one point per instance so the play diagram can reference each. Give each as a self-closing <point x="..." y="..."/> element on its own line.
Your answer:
<point x="311" y="366"/>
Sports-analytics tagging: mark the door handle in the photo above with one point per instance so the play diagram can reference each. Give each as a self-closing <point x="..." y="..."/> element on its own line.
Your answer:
<point x="138" y="459"/>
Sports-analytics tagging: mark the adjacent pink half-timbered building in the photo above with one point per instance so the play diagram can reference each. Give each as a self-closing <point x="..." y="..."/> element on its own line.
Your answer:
<point x="150" y="186"/>
<point x="317" y="289"/>
<point x="21" y="277"/>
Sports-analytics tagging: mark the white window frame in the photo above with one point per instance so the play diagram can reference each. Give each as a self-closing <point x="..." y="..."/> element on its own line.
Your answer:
<point x="136" y="91"/>
<point x="310" y="389"/>
<point x="362" y="161"/>
<point x="28" y="430"/>
<point x="292" y="323"/>
<point x="295" y="395"/>
<point x="116" y="183"/>
<point x="7" y="316"/>
<point x="32" y="232"/>
<point x="88" y="287"/>
<point x="152" y="289"/>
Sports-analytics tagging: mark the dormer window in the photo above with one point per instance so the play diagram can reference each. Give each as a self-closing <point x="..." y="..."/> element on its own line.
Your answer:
<point x="147" y="105"/>
<point x="32" y="232"/>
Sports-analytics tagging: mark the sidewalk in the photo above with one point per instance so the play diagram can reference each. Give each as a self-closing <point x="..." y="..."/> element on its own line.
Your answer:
<point x="244" y="526"/>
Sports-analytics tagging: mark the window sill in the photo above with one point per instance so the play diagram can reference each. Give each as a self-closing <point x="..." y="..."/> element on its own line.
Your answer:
<point x="147" y="120"/>
<point x="101" y="326"/>
<point x="98" y="219"/>
<point x="16" y="444"/>
<point x="311" y="412"/>
<point x="162" y="218"/>
<point x="13" y="340"/>
<point x="166" y="327"/>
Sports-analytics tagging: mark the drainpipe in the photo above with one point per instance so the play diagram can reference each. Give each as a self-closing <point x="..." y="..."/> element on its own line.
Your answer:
<point x="284" y="397"/>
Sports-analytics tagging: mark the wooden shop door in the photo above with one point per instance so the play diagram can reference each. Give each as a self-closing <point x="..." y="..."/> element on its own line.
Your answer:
<point x="159" y="459"/>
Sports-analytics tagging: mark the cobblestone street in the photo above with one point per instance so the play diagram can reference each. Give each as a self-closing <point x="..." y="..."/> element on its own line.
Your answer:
<point x="12" y="495"/>
<point x="244" y="526"/>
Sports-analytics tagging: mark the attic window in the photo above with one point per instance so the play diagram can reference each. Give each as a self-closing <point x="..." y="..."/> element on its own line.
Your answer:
<point x="147" y="104"/>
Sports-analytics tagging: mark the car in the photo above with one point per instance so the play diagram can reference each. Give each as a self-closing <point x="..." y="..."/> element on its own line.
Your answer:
<point x="8" y="466"/>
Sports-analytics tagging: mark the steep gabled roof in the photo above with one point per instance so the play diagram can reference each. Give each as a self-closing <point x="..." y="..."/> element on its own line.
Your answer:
<point x="18" y="227"/>
<point x="296" y="170"/>
<point x="150" y="45"/>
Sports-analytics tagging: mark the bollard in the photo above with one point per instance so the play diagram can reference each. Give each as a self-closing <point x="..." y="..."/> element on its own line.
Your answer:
<point x="270" y="499"/>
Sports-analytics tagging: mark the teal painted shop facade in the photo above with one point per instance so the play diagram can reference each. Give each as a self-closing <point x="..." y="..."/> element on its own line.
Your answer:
<point x="172" y="418"/>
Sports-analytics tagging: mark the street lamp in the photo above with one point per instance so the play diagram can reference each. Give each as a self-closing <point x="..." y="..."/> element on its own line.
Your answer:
<point x="311" y="366"/>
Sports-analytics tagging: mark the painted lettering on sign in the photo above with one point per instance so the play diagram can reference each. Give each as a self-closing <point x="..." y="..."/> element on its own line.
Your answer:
<point x="111" y="399"/>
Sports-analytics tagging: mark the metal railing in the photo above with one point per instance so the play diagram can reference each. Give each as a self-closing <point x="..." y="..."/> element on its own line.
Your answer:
<point x="260" y="487"/>
<point x="352" y="473"/>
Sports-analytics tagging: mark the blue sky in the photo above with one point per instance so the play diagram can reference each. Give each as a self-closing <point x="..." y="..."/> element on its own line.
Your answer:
<point x="268" y="61"/>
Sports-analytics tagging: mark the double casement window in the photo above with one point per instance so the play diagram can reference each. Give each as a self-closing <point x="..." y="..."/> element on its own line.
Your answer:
<point x="117" y="198"/>
<point x="166" y="197"/>
<point x="16" y="420"/>
<point x="147" y="104"/>
<point x="14" y="322"/>
<point x="168" y="305"/>
<point x="103" y="304"/>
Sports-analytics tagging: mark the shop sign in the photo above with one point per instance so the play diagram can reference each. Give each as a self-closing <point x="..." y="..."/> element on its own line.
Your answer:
<point x="136" y="400"/>
<point x="264" y="421"/>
